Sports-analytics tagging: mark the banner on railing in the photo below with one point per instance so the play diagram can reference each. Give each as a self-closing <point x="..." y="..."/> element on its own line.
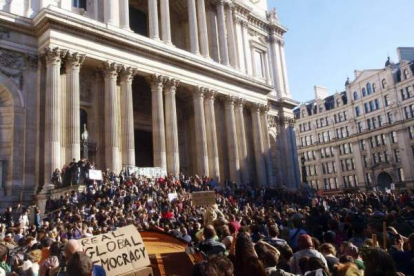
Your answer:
<point x="154" y="172"/>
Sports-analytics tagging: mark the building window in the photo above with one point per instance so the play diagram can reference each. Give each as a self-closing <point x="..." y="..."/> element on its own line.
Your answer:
<point x="369" y="89"/>
<point x="366" y="106"/>
<point x="379" y="120"/>
<point x="403" y="95"/>
<point x="365" y="158"/>
<point x="368" y="178"/>
<point x="411" y="132"/>
<point x="383" y="139"/>
<point x="390" y="118"/>
<point x="360" y="129"/>
<point x="384" y="83"/>
<point x="80" y="4"/>
<point x="362" y="144"/>
<point x="397" y="155"/>
<point x="377" y="104"/>
<point x="374" y="87"/>
<point x="355" y="96"/>
<point x="364" y="92"/>
<point x="407" y="112"/>
<point x="394" y="137"/>
<point x="259" y="64"/>
<point x="358" y="111"/>
<point x="387" y="100"/>
<point x="406" y="74"/>
<point x="400" y="174"/>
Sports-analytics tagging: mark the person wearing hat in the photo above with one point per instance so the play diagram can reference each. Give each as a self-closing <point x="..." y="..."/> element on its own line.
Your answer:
<point x="306" y="249"/>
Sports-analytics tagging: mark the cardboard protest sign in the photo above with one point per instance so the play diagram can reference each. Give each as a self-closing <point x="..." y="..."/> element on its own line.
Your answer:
<point x="203" y="198"/>
<point x="95" y="174"/>
<point x="118" y="252"/>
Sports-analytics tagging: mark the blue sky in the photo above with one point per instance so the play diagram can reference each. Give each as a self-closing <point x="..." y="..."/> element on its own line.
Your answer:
<point x="328" y="39"/>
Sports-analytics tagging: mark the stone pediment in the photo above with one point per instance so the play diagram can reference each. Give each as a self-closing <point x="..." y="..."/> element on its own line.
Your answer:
<point x="366" y="74"/>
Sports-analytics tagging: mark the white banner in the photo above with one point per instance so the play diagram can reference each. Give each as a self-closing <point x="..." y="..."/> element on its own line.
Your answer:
<point x="95" y="174"/>
<point x="155" y="172"/>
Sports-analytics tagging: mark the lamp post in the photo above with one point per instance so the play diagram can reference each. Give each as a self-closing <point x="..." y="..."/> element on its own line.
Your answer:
<point x="85" y="137"/>
<point x="304" y="176"/>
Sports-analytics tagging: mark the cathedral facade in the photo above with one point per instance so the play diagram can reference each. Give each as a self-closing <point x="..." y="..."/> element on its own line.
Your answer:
<point x="192" y="86"/>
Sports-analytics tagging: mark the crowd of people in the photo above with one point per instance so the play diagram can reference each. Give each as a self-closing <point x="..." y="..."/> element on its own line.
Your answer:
<point x="263" y="231"/>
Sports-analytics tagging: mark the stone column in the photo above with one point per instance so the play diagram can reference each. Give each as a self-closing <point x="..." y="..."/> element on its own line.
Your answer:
<point x="127" y="117"/>
<point x="240" y="44"/>
<point x="52" y="111"/>
<point x="213" y="35"/>
<point x="241" y="137"/>
<point x="258" y="146"/>
<point x="284" y="69"/>
<point x="202" y="26"/>
<point x="210" y="115"/>
<point x="224" y="53"/>
<point x="153" y="19"/>
<point x="192" y="21"/>
<point x="246" y="47"/>
<point x="276" y="65"/>
<point x="230" y="36"/>
<point x="73" y="65"/>
<point x="171" y="128"/>
<point x="111" y="118"/>
<point x="124" y="14"/>
<point x="110" y="12"/>
<point x="158" y="127"/>
<point x="232" y="140"/>
<point x="267" y="146"/>
<point x="200" y="131"/>
<point x="165" y="22"/>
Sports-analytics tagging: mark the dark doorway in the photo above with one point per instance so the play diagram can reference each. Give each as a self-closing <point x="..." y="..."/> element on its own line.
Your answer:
<point x="384" y="181"/>
<point x="143" y="149"/>
<point x="83" y="120"/>
<point x="138" y="21"/>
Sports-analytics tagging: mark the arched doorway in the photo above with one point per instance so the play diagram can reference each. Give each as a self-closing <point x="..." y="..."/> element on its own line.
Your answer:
<point x="12" y="117"/>
<point x="384" y="181"/>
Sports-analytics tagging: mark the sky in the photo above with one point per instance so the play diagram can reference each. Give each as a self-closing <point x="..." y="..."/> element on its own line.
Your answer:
<point x="328" y="39"/>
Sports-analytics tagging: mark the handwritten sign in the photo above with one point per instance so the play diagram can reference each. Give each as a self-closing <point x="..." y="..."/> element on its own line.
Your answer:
<point x="155" y="172"/>
<point x="95" y="174"/>
<point x="203" y="198"/>
<point x="118" y="252"/>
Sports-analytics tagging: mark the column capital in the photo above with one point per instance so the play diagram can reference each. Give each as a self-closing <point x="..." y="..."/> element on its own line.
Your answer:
<point x="240" y="102"/>
<point x="155" y="81"/>
<point x="110" y="69"/>
<point x="127" y="73"/>
<point x="230" y="101"/>
<point x="210" y="94"/>
<point x="171" y="85"/>
<point x="264" y="108"/>
<point x="200" y="91"/>
<point x="74" y="60"/>
<point x="54" y="55"/>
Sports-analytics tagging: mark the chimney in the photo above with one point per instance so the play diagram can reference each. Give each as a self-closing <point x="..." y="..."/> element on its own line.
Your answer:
<point x="320" y="92"/>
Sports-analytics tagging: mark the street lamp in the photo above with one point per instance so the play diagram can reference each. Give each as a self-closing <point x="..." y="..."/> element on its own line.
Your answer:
<point x="304" y="176"/>
<point x="85" y="137"/>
